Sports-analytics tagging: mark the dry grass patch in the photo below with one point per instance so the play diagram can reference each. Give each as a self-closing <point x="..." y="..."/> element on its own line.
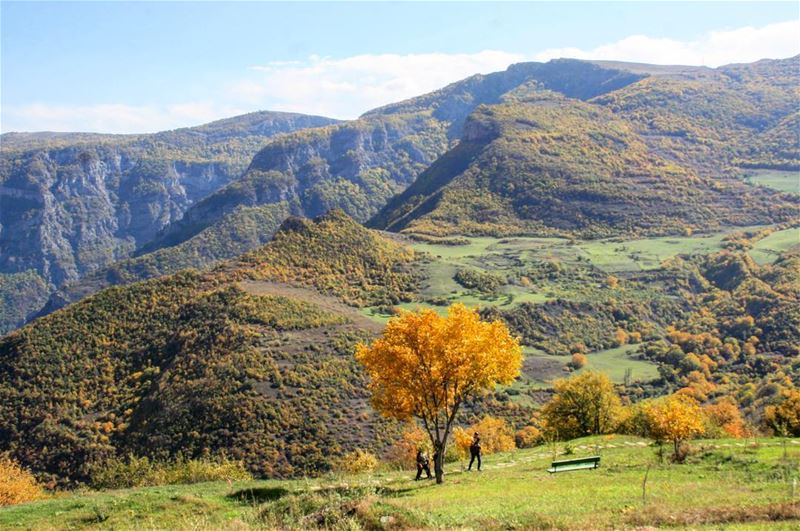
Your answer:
<point x="661" y="515"/>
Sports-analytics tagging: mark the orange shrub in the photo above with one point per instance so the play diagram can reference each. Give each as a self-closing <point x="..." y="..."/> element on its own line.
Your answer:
<point x="578" y="361"/>
<point x="403" y="453"/>
<point x="724" y="418"/>
<point x="528" y="437"/>
<point x="496" y="436"/>
<point x="17" y="485"/>
<point x="620" y="337"/>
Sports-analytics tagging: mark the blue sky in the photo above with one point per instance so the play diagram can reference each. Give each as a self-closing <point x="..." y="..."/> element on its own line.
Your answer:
<point x="139" y="67"/>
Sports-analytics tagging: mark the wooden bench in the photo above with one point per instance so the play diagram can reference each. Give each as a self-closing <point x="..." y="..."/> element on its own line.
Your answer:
<point x="565" y="465"/>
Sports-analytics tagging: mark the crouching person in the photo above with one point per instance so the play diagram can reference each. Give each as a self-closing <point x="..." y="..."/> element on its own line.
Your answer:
<point x="422" y="464"/>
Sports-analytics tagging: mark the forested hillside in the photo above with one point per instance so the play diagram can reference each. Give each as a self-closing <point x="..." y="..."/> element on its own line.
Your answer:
<point x="196" y="363"/>
<point x="359" y="165"/>
<point x="71" y="203"/>
<point x="658" y="156"/>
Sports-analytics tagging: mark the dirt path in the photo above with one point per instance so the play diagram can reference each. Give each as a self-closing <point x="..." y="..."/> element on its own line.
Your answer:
<point x="328" y="303"/>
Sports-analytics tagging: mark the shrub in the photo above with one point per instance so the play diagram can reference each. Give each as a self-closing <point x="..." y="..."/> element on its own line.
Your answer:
<point x="578" y="361"/>
<point x="479" y="280"/>
<point x="584" y="404"/>
<point x="528" y="437"/>
<point x="724" y="419"/>
<point x="784" y="418"/>
<point x="403" y="453"/>
<point x="675" y="419"/>
<point x="496" y="436"/>
<point x="142" y="472"/>
<point x="17" y="485"/>
<point x="357" y="462"/>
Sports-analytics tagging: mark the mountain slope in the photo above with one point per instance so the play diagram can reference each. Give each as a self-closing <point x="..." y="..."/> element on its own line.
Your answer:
<point x="70" y="203"/>
<point x="240" y="231"/>
<point x="235" y="360"/>
<point x="654" y="157"/>
<point x="357" y="166"/>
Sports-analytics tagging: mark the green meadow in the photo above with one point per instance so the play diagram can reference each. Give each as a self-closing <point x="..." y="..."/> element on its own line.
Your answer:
<point x="726" y="484"/>
<point x="784" y="181"/>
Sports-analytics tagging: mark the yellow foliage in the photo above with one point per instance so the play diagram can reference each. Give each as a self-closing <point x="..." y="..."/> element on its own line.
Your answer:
<point x="612" y="281"/>
<point x="17" y="485"/>
<point x="496" y="436"/>
<point x="425" y="365"/>
<point x="620" y="337"/>
<point x="528" y="437"/>
<point x="584" y="404"/>
<point x="358" y="462"/>
<point x="675" y="418"/>
<point x="784" y="418"/>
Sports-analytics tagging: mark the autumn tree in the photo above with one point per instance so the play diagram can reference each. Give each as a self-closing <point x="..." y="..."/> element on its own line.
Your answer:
<point x="675" y="418"/>
<point x="585" y="404"/>
<point x="496" y="436"/>
<point x="425" y="366"/>
<point x="724" y="418"/>
<point x="784" y="417"/>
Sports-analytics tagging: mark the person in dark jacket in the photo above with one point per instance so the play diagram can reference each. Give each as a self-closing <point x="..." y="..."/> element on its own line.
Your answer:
<point x="475" y="451"/>
<point x="422" y="464"/>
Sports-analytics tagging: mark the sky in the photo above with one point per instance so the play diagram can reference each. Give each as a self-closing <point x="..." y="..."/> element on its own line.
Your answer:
<point x="136" y="67"/>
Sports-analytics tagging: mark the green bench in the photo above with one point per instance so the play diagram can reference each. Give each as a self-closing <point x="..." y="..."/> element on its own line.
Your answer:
<point x="565" y="465"/>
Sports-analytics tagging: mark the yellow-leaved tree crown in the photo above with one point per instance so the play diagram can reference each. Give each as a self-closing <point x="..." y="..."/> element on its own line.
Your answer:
<point x="425" y="365"/>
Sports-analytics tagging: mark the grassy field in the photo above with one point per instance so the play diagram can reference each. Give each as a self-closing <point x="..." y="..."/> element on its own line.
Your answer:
<point x="784" y="181"/>
<point x="726" y="484"/>
<point x="766" y="251"/>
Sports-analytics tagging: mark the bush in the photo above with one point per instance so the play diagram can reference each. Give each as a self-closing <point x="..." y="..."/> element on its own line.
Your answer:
<point x="403" y="453"/>
<point x="17" y="485"/>
<point x="479" y="280"/>
<point x="496" y="436"/>
<point x="724" y="419"/>
<point x="675" y="418"/>
<point x="578" y="361"/>
<point x="585" y="404"/>
<point x="528" y="437"/>
<point x="357" y="462"/>
<point x="143" y="472"/>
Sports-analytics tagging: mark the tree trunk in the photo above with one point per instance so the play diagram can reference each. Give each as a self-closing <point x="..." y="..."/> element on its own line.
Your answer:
<point x="438" y="465"/>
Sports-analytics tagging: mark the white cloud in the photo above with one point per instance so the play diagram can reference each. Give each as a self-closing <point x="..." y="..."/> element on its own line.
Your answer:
<point x="112" y="118"/>
<point x="716" y="48"/>
<point x="347" y="87"/>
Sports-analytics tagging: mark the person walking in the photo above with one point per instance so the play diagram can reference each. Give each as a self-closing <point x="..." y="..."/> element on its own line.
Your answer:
<point x="422" y="464"/>
<point x="475" y="451"/>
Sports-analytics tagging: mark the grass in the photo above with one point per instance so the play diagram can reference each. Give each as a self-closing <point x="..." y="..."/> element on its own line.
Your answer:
<point x="784" y="181"/>
<point x="614" y="362"/>
<point x="767" y="250"/>
<point x="725" y="485"/>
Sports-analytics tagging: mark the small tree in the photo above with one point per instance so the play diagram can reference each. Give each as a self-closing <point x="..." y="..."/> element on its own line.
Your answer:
<point x="496" y="436"/>
<point x="426" y="365"/>
<point x="784" y="417"/>
<point x="675" y="418"/>
<point x="585" y="404"/>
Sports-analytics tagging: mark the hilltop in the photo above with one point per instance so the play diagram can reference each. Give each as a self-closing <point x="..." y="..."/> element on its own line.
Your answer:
<point x="359" y="165"/>
<point x="657" y="156"/>
<point x="568" y="148"/>
<point x="271" y="354"/>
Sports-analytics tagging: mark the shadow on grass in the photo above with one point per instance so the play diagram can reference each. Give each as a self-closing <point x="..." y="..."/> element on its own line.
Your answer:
<point x="259" y="495"/>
